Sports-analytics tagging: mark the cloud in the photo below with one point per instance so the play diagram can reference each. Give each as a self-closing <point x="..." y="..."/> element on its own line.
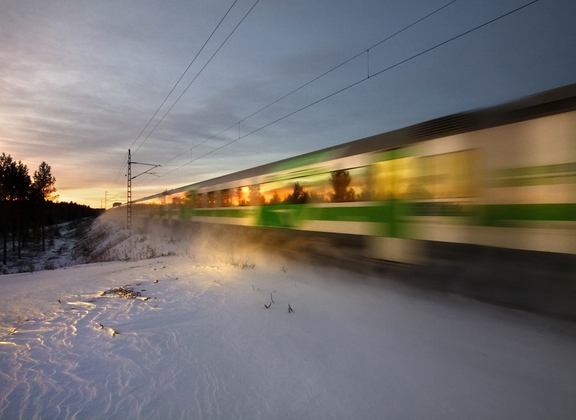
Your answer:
<point x="80" y="80"/>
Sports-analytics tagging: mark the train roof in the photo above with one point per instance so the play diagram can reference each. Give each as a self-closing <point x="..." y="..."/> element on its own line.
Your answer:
<point x="562" y="99"/>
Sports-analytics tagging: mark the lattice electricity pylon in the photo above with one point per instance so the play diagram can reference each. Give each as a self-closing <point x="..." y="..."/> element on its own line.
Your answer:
<point x="129" y="193"/>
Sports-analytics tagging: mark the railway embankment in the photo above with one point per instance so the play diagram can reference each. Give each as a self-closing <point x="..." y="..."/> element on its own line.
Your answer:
<point x="542" y="283"/>
<point x="537" y="282"/>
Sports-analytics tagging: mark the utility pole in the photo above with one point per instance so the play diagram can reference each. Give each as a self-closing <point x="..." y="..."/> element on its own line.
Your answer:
<point x="129" y="196"/>
<point x="129" y="192"/>
<point x="105" y="200"/>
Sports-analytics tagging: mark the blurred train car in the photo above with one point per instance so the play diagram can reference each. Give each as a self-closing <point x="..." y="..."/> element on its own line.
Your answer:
<point x="501" y="177"/>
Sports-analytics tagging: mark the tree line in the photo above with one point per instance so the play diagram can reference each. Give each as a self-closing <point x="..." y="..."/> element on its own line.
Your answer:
<point x="27" y="205"/>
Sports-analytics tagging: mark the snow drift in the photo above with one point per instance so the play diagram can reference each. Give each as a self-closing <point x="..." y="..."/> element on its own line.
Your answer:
<point x="202" y="330"/>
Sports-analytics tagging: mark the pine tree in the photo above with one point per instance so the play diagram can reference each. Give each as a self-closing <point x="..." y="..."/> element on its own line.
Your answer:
<point x="5" y="162"/>
<point x="340" y="181"/>
<point x="43" y="190"/>
<point x="14" y="192"/>
<point x="43" y="187"/>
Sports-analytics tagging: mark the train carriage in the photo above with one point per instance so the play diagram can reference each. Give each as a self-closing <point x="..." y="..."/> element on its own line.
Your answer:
<point x="499" y="177"/>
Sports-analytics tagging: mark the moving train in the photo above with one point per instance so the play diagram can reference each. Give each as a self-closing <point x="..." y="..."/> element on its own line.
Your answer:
<point x="500" y="177"/>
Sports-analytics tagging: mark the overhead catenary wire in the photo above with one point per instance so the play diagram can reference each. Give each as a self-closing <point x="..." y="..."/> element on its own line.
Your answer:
<point x="198" y="74"/>
<point x="123" y="165"/>
<point x="181" y="77"/>
<point x="367" y="77"/>
<point x="289" y="93"/>
<point x="314" y="80"/>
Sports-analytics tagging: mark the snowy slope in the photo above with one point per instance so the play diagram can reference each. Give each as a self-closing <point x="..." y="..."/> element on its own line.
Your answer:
<point x="203" y="345"/>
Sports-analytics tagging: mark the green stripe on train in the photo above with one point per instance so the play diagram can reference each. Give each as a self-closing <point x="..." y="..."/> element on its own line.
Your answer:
<point x="392" y="214"/>
<point x="292" y="215"/>
<point x="499" y="214"/>
<point x="536" y="170"/>
<point x="238" y="212"/>
<point x="563" y="173"/>
<point x="528" y="182"/>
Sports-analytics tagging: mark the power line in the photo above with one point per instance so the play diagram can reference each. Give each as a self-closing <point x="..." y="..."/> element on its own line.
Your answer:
<point x="277" y="100"/>
<point x="198" y="74"/>
<point x="176" y="84"/>
<point x="456" y="37"/>
<point x="347" y="87"/>
<point x="123" y="165"/>
<point x="313" y="80"/>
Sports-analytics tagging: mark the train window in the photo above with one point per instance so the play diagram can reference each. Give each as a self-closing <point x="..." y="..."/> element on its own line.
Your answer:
<point x="315" y="188"/>
<point x="450" y="175"/>
<point x="199" y="201"/>
<point x="276" y="192"/>
<point x="241" y="196"/>
<point x="226" y="198"/>
<point x="348" y="185"/>
<point x="255" y="196"/>
<point x="211" y="199"/>
<point x="337" y="186"/>
<point x="188" y="200"/>
<point x="392" y="179"/>
<point x="309" y="189"/>
<point x="289" y="191"/>
<point x="269" y="193"/>
<point x="300" y="194"/>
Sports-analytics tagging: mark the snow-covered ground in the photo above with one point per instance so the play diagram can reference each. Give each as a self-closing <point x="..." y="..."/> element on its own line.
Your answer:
<point x="59" y="243"/>
<point x="195" y="340"/>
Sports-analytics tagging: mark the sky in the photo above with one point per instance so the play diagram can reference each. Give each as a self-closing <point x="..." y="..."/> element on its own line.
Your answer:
<point x="83" y="82"/>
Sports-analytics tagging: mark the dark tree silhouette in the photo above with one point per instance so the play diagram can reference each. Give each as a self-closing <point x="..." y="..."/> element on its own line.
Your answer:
<point x="15" y="191"/>
<point x="43" y="190"/>
<point x="275" y="198"/>
<point x="299" y="196"/>
<point x="6" y="195"/>
<point x="43" y="185"/>
<point x="340" y="181"/>
<point x="26" y="205"/>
